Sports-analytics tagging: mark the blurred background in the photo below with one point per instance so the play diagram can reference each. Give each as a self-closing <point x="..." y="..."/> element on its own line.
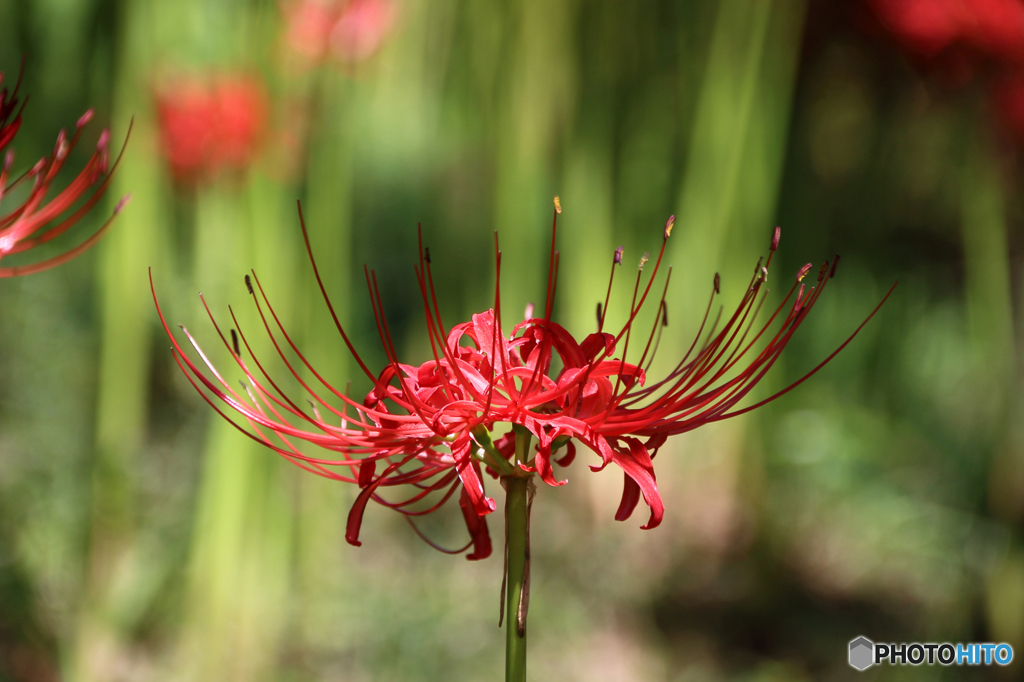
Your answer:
<point x="141" y="538"/>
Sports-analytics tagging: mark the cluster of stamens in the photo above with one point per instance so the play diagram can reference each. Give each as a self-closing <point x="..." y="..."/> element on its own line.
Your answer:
<point x="36" y="219"/>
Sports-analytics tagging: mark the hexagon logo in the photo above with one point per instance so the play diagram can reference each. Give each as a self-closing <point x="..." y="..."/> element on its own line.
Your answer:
<point x="862" y="653"/>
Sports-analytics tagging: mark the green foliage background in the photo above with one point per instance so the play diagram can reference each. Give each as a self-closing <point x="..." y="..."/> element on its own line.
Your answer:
<point x="142" y="539"/>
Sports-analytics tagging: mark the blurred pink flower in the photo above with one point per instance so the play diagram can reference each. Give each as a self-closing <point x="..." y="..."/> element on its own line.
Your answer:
<point x="427" y="429"/>
<point x="308" y="27"/>
<point x="348" y="30"/>
<point x="361" y="29"/>
<point x="35" y="218"/>
<point x="209" y="126"/>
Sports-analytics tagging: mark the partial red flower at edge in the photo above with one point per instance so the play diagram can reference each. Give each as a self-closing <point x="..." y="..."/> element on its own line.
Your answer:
<point x="350" y="31"/>
<point x="211" y="125"/>
<point x="361" y="29"/>
<point x="8" y="103"/>
<point x="967" y="39"/>
<point x="30" y="222"/>
<point x="429" y="429"/>
<point x="993" y="28"/>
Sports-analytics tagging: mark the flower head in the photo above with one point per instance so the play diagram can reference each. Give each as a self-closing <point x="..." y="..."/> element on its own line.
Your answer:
<point x="28" y="216"/>
<point x="989" y="28"/>
<point x="981" y="39"/>
<point x="8" y="104"/>
<point x="348" y="30"/>
<point x="434" y="429"/>
<point x="207" y="127"/>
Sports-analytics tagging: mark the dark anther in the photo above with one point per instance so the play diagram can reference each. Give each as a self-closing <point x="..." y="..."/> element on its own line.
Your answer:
<point x="718" y="283"/>
<point x="822" y="270"/>
<point x="618" y="256"/>
<point x="248" y="283"/>
<point x="664" y="315"/>
<point x="234" y="342"/>
<point x="426" y="254"/>
<point x="599" y="313"/>
<point x="835" y="262"/>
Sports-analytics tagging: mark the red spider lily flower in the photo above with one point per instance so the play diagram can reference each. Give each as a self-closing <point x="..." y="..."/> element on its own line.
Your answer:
<point x="980" y="38"/>
<point x="361" y="29"/>
<point x="427" y="428"/>
<point x="308" y="27"/>
<point x="8" y="103"/>
<point x="350" y="31"/>
<point x="993" y="28"/>
<point x="36" y="217"/>
<point x="210" y="126"/>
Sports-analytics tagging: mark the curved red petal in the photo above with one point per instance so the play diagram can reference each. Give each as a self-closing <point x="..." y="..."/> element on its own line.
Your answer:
<point x="630" y="498"/>
<point x="477" y="527"/>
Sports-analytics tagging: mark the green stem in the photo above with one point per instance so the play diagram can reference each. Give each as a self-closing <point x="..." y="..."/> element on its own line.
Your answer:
<point x="517" y="584"/>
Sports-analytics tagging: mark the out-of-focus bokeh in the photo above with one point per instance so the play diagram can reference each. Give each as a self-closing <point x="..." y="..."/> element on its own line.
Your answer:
<point x="141" y="538"/>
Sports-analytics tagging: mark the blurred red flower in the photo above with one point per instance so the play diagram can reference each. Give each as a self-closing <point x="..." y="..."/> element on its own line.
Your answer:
<point x="966" y="38"/>
<point x="428" y="428"/>
<point x="210" y="126"/>
<point x="348" y="30"/>
<point x="993" y="28"/>
<point x="35" y="218"/>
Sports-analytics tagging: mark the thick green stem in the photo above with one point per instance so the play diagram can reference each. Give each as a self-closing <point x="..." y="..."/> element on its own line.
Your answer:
<point x="517" y="584"/>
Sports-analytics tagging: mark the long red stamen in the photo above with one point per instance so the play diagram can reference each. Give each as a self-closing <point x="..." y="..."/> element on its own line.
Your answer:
<point x="327" y="299"/>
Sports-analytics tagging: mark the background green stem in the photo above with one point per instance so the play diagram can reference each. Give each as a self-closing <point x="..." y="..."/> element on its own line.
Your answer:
<point x="517" y="547"/>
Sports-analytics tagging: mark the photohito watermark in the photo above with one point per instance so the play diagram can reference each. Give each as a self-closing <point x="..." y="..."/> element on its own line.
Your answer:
<point x="864" y="653"/>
